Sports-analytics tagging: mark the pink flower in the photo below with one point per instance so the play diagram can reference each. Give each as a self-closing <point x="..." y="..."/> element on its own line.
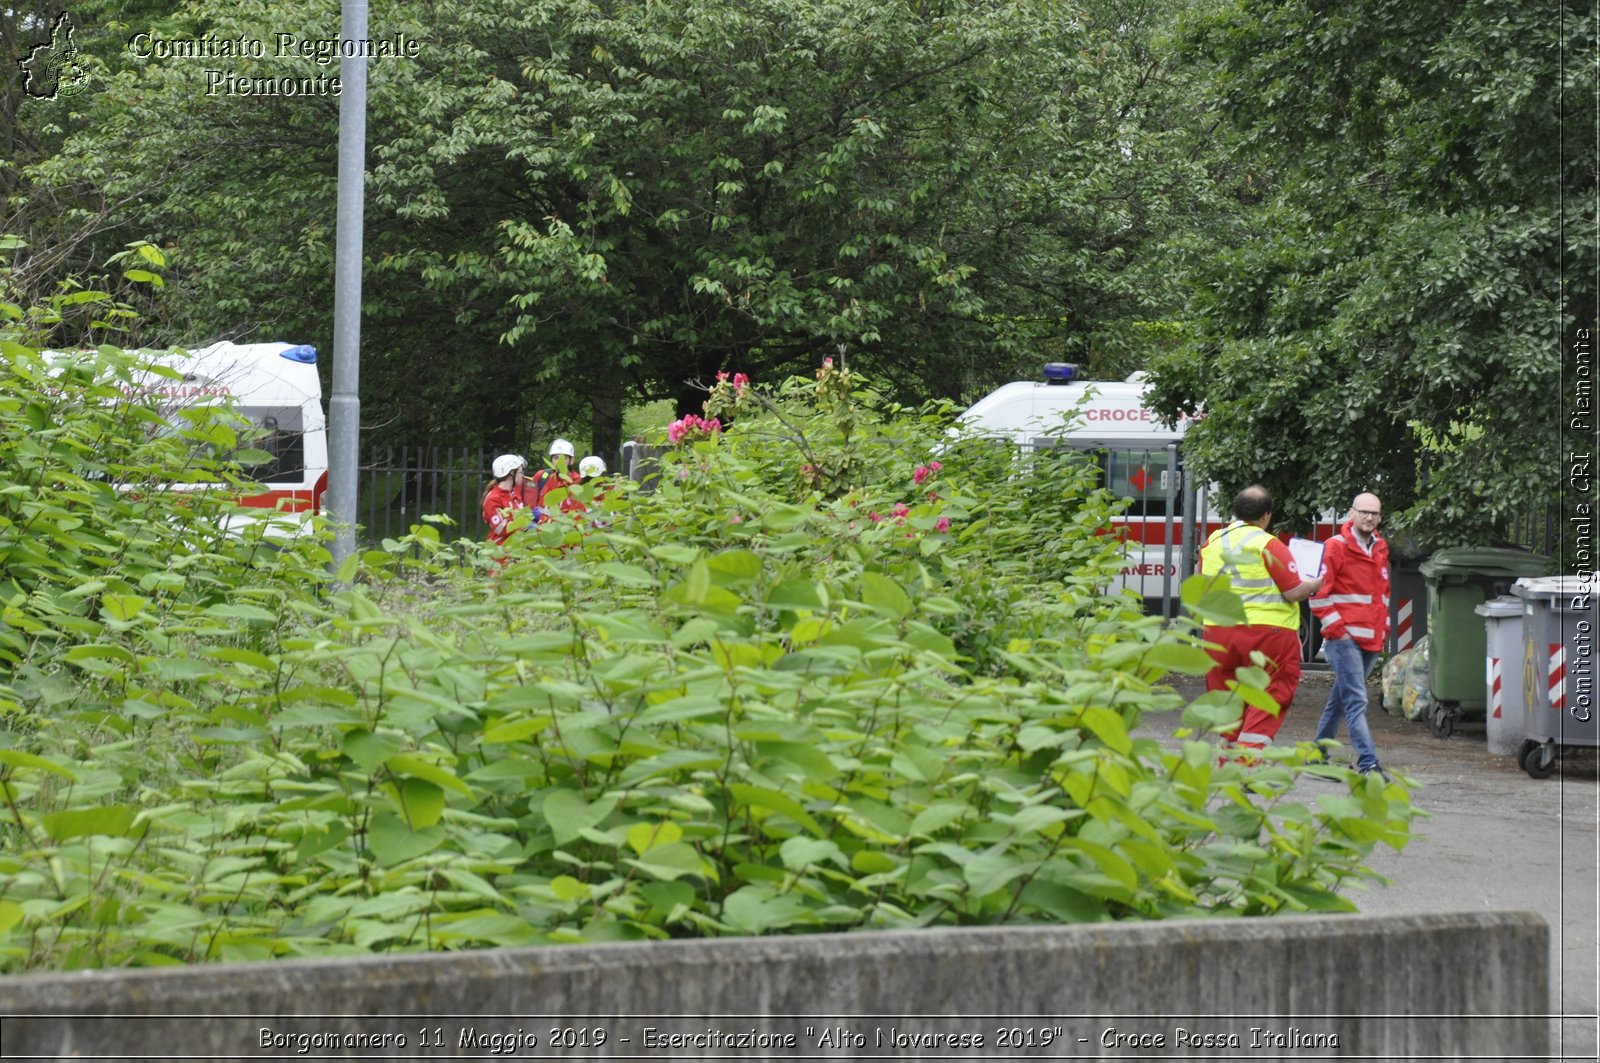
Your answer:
<point x="873" y="517"/>
<point x="921" y="474"/>
<point x="723" y="375"/>
<point x="934" y="466"/>
<point x="900" y="510"/>
<point x="740" y="381"/>
<point x="692" y="426"/>
<point x="942" y="524"/>
<point x="827" y="363"/>
<point x="736" y="519"/>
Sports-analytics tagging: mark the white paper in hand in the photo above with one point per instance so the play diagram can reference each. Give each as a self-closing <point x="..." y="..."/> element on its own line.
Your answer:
<point x="1307" y="557"/>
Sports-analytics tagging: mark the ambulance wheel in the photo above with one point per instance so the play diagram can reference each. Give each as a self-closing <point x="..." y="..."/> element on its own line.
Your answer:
<point x="1538" y="759"/>
<point x="1442" y="719"/>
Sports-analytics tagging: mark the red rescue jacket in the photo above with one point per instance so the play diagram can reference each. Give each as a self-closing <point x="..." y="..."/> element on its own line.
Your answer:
<point x="499" y="507"/>
<point x="540" y="484"/>
<point x="1354" y="600"/>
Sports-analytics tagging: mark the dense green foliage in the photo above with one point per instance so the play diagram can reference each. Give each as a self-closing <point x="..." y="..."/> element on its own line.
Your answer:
<point x="1418" y="255"/>
<point x="1359" y="238"/>
<point x="836" y="671"/>
<point x="571" y="203"/>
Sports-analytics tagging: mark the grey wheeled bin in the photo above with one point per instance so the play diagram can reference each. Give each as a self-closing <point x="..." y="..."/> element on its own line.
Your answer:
<point x="1505" y="719"/>
<point x="1458" y="579"/>
<point x="1560" y="618"/>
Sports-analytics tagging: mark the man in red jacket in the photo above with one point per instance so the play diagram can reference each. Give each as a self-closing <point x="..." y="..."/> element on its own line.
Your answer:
<point x="1354" y="609"/>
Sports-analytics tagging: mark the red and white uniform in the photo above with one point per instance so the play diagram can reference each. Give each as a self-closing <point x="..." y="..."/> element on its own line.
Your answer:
<point x="500" y="506"/>
<point x="1354" y="600"/>
<point x="1262" y="570"/>
<point x="570" y="504"/>
<point x="540" y="484"/>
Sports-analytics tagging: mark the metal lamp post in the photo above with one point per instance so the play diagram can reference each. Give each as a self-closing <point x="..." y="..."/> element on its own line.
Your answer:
<point x="344" y="411"/>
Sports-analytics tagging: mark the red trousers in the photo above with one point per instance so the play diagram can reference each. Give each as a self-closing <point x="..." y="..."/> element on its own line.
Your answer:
<point x="1230" y="648"/>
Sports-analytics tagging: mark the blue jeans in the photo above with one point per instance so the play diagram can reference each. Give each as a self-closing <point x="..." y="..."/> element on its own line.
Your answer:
<point x="1351" y="665"/>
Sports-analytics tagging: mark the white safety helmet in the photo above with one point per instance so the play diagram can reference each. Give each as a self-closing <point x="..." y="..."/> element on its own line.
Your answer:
<point x="505" y="465"/>
<point x="563" y="448"/>
<point x="593" y="465"/>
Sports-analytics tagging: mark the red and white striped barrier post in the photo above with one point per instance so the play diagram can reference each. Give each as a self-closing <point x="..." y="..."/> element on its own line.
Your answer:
<point x="1402" y="626"/>
<point x="1496" y="703"/>
<point x="1558" y="677"/>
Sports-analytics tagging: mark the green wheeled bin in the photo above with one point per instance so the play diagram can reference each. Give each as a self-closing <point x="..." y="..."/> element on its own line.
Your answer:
<point x="1459" y="580"/>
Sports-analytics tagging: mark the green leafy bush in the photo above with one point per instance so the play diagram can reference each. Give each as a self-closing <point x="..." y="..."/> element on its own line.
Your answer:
<point x="837" y="670"/>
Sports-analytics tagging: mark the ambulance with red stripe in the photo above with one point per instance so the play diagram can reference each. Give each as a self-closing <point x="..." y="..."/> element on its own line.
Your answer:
<point x="275" y="396"/>
<point x="1139" y="458"/>
<point x="1167" y="518"/>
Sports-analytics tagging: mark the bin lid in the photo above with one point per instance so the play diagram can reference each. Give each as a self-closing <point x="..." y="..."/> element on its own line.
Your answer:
<point x="1485" y="561"/>
<point x="1503" y="606"/>
<point x="1554" y="589"/>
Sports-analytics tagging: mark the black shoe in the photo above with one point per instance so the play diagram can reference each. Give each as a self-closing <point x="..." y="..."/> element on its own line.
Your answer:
<point x="1378" y="769"/>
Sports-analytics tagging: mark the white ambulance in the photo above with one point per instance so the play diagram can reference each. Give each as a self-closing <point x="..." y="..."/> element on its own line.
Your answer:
<point x="1168" y="518"/>
<point x="274" y="387"/>
<point x="1140" y="458"/>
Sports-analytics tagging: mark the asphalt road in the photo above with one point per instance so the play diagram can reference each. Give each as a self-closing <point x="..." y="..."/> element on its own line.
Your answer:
<point x="1494" y="839"/>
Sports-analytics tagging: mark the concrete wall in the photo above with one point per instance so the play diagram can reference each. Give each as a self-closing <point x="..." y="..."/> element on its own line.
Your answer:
<point x="1445" y="985"/>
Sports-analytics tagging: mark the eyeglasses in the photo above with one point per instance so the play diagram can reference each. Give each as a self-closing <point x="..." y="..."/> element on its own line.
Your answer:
<point x="1374" y="514"/>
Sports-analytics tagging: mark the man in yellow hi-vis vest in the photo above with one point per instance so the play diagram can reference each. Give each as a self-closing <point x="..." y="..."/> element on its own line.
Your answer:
<point x="1264" y="577"/>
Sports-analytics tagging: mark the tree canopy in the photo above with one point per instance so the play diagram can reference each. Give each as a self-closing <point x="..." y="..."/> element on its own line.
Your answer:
<point x="570" y="202"/>
<point x="1394" y="318"/>
<point x="1355" y="238"/>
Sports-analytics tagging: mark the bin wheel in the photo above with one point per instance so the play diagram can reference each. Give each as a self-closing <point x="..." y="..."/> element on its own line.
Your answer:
<point x="1538" y="759"/>
<point x="1442" y="719"/>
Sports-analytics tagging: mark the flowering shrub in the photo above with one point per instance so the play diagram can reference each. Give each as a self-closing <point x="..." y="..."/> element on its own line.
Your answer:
<point x="692" y="428"/>
<point x="791" y="689"/>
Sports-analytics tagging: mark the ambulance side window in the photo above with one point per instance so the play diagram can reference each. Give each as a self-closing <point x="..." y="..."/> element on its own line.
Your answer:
<point x="280" y="431"/>
<point x="1141" y="475"/>
<point x="1136" y="474"/>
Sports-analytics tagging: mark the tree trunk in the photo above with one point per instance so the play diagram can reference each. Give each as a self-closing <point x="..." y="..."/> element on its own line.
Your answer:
<point x="699" y="373"/>
<point x="605" y="402"/>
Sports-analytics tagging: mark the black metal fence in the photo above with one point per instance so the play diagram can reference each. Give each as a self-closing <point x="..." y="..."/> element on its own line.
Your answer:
<point x="1538" y="532"/>
<point x="401" y="484"/>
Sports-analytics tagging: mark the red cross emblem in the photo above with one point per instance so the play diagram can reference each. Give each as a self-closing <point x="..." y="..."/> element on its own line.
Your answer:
<point x="1139" y="478"/>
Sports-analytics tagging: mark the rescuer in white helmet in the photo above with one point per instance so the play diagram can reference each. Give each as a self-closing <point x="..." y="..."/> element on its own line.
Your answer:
<point x="505" y="495"/>
<point x="559" y="473"/>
